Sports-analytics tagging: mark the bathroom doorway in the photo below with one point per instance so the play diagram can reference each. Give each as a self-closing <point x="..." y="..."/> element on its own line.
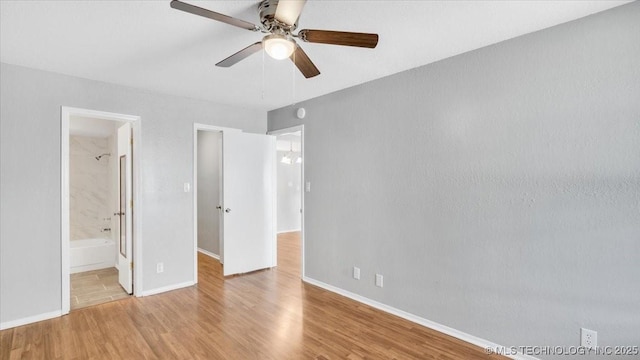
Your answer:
<point x="98" y="187"/>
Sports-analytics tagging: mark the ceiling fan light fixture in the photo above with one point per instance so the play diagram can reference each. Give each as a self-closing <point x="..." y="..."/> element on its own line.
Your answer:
<point x="278" y="46"/>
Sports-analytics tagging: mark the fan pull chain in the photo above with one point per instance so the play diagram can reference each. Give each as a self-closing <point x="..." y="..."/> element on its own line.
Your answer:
<point x="262" y="95"/>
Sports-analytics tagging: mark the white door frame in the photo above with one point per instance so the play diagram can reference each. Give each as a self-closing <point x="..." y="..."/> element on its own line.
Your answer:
<point x="65" y="116"/>
<point x="302" y="186"/>
<point x="202" y="127"/>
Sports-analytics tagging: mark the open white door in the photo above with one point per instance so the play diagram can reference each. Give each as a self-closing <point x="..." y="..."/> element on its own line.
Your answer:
<point x="125" y="209"/>
<point x="249" y="236"/>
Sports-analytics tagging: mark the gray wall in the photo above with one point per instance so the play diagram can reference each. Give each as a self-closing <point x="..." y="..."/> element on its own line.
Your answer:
<point x="30" y="179"/>
<point x="209" y="143"/>
<point x="497" y="191"/>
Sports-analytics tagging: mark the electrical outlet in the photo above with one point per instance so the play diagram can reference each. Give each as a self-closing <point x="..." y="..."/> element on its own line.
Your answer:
<point x="588" y="338"/>
<point x="379" y="280"/>
<point x="356" y="273"/>
<point x="159" y="267"/>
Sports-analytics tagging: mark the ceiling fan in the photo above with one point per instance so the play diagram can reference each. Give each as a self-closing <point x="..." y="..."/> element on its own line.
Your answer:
<point x="278" y="19"/>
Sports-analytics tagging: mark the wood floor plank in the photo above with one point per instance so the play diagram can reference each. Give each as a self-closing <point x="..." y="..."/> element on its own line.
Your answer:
<point x="268" y="314"/>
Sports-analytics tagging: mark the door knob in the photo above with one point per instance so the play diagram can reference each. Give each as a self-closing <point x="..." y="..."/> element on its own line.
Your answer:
<point x="227" y="210"/>
<point x="218" y="207"/>
<point x="118" y="213"/>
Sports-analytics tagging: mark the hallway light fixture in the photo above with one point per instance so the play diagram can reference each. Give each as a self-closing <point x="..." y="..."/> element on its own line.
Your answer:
<point x="288" y="158"/>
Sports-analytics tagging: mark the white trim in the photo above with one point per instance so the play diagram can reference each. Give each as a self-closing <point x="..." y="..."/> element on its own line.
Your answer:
<point x="274" y="202"/>
<point x="209" y="253"/>
<point x="65" y="260"/>
<point x="484" y="344"/>
<point x="65" y="114"/>
<point x="164" y="289"/>
<point x="288" y="231"/>
<point x="31" y="319"/>
<point x="196" y="127"/>
<point x="103" y="115"/>
<point x="302" y="187"/>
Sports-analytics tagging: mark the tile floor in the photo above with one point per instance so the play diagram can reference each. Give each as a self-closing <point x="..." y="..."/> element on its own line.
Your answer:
<point x="95" y="287"/>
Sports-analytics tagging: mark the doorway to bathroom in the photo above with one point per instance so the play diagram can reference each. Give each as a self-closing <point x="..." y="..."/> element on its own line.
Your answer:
<point x="99" y="178"/>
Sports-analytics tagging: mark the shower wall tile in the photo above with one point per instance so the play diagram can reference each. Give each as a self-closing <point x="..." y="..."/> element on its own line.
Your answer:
<point x="89" y="187"/>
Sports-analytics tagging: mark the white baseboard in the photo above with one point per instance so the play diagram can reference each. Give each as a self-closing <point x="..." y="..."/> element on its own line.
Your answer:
<point x="167" y="288"/>
<point x="485" y="344"/>
<point x="286" y="231"/>
<point x="30" y="319"/>
<point x="209" y="253"/>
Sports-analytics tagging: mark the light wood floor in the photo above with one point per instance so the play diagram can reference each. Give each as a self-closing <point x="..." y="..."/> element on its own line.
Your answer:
<point x="95" y="287"/>
<point x="269" y="314"/>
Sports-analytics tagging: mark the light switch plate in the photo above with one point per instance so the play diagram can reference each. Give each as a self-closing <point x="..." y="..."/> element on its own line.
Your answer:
<point x="379" y="279"/>
<point x="356" y="273"/>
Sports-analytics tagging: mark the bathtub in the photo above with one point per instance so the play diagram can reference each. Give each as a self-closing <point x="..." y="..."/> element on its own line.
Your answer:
<point x="92" y="254"/>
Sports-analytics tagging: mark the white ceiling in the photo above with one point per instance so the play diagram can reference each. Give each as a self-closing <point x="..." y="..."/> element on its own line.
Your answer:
<point x="148" y="45"/>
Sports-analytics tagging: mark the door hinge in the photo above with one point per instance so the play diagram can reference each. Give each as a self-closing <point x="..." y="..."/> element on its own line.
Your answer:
<point x="131" y="140"/>
<point x="131" y="203"/>
<point x="132" y="265"/>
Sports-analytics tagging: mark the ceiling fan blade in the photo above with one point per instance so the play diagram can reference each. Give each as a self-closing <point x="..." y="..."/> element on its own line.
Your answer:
<point x="288" y="11"/>
<point x="304" y="64"/>
<point x="241" y="55"/>
<point x="176" y="4"/>
<point x="339" y="38"/>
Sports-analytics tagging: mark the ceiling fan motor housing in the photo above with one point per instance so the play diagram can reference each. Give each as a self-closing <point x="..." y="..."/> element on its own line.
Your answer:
<point x="267" y="12"/>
